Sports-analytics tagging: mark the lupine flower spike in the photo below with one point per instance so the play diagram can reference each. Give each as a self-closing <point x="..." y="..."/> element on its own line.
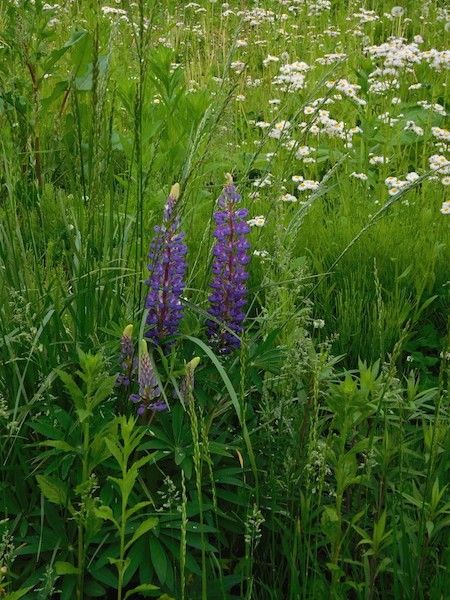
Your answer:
<point x="167" y="267"/>
<point x="231" y="256"/>
<point x="149" y="391"/>
<point x="128" y="361"/>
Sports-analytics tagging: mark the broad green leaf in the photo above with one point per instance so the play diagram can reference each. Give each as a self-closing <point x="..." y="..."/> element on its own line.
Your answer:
<point x="65" y="568"/>
<point x="147" y="525"/>
<point x="53" y="489"/>
<point x="56" y="55"/>
<point x="105" y="512"/>
<point x="59" y="445"/>
<point x="74" y="391"/>
<point x="141" y="589"/>
<point x="137" y="507"/>
<point x="159" y="558"/>
<point x="17" y="594"/>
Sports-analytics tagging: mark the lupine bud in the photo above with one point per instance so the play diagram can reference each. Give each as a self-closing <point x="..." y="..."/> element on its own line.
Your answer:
<point x="187" y="384"/>
<point x="231" y="256"/>
<point x="148" y="386"/>
<point x="127" y="358"/>
<point x="167" y="267"/>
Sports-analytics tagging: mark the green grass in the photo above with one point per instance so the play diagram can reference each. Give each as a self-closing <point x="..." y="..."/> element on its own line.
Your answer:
<point x="313" y="462"/>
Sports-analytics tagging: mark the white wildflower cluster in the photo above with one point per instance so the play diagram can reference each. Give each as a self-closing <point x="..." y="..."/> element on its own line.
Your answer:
<point x="262" y="254"/>
<point x="440" y="164"/>
<point x="397" y="55"/>
<point x="387" y="119"/>
<point x="433" y="106"/>
<point x="291" y="77"/>
<point x="441" y="134"/>
<point x="445" y="208"/>
<point x="305" y="185"/>
<point x="438" y="60"/>
<point x="412" y="126"/>
<point x="325" y="125"/>
<point x="281" y="128"/>
<point x="395" y="185"/>
<point x="360" y="176"/>
<point x="317" y="7"/>
<point x="258" y="221"/>
<point x="366" y="16"/>
<point x="378" y="160"/>
<point x="303" y="153"/>
<point x="237" y="66"/>
<point x="288" y="198"/>
<point x="348" y="89"/>
<point x="257" y="16"/>
<point x="330" y="59"/>
<point x="269" y="60"/>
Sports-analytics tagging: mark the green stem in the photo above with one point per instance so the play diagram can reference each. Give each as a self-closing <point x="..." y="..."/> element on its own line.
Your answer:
<point x="81" y="540"/>
<point x="122" y="538"/>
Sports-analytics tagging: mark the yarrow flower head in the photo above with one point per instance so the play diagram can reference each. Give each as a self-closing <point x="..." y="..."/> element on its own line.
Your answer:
<point x="128" y="361"/>
<point x="231" y="256"/>
<point x="149" y="391"/>
<point x="167" y="267"/>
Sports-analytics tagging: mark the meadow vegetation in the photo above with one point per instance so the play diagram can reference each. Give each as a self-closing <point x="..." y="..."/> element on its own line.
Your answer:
<point x="224" y="292"/>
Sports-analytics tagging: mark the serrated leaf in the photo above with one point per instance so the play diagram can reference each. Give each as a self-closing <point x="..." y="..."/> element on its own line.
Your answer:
<point x="54" y="490"/>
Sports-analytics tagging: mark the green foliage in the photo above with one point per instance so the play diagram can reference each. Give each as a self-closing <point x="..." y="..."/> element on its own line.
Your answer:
<point x="314" y="462"/>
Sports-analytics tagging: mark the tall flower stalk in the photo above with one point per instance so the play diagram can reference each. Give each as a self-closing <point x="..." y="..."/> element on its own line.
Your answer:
<point x="149" y="390"/>
<point x="229" y="289"/>
<point x="167" y="268"/>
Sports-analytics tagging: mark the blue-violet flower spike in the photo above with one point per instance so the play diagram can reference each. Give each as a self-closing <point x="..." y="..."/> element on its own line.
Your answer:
<point x="149" y="391"/>
<point x="167" y="267"/>
<point x="231" y="255"/>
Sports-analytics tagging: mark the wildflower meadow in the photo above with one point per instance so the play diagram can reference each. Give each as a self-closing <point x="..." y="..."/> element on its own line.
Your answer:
<point x="224" y="300"/>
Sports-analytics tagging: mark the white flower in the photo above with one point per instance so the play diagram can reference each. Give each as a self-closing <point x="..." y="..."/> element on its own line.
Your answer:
<point x="318" y="323"/>
<point x="397" y="11"/>
<point x="288" y="198"/>
<point x="263" y="254"/>
<point x="413" y="176"/>
<point x="361" y="176"/>
<point x="308" y="184"/>
<point x="438" y="162"/>
<point x="445" y="180"/>
<point x="237" y="66"/>
<point x="258" y="221"/>
<point x="378" y="160"/>
<point x="445" y="208"/>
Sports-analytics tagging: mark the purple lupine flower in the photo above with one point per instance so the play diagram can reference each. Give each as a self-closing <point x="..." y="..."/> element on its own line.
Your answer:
<point x="128" y="361"/>
<point x="149" y="389"/>
<point x="167" y="267"/>
<point x="231" y="256"/>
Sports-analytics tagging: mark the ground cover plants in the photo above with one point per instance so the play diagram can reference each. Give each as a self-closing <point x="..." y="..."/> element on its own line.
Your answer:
<point x="224" y="291"/>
